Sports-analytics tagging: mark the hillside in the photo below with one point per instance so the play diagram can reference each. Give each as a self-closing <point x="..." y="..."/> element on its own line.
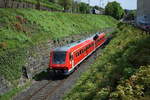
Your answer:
<point x="121" y="72"/>
<point x="20" y="27"/>
<point x="23" y="33"/>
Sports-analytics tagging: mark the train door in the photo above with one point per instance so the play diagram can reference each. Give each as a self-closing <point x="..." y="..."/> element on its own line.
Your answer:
<point x="71" y="59"/>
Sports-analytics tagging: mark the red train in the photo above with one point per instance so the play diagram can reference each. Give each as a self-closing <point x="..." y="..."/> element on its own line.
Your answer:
<point x="65" y="59"/>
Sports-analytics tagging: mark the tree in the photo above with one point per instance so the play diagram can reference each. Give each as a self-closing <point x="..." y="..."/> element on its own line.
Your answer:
<point x="130" y="14"/>
<point x="66" y="4"/>
<point x="84" y="8"/>
<point x="114" y="9"/>
<point x="98" y="8"/>
<point x="38" y="4"/>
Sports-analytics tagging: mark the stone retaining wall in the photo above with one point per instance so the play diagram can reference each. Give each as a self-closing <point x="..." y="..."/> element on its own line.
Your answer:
<point x="15" y="4"/>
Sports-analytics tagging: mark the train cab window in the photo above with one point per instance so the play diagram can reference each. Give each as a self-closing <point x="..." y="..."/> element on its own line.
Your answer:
<point x="95" y="37"/>
<point x="59" y="57"/>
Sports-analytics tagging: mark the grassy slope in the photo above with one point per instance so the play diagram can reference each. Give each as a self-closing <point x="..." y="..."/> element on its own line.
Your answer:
<point x="121" y="72"/>
<point x="22" y="28"/>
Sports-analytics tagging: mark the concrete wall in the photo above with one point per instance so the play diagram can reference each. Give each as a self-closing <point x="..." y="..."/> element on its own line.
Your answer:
<point x="143" y="7"/>
<point x="143" y="12"/>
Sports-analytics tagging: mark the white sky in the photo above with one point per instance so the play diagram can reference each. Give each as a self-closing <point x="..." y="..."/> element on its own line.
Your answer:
<point x="126" y="4"/>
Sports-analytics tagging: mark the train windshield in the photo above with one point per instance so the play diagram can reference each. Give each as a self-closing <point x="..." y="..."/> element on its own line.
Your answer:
<point x="59" y="57"/>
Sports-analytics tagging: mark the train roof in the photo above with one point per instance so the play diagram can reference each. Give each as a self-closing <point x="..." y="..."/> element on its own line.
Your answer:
<point x="68" y="46"/>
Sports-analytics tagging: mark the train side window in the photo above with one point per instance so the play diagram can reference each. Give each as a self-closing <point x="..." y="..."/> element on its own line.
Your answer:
<point x="80" y="51"/>
<point x="88" y="46"/>
<point x="92" y="44"/>
<point x="84" y="49"/>
<point x="77" y="54"/>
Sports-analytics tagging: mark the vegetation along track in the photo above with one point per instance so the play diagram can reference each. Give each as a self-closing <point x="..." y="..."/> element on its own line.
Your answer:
<point x="50" y="87"/>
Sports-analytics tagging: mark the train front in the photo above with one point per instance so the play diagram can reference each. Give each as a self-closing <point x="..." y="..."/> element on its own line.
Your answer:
<point x="58" y="61"/>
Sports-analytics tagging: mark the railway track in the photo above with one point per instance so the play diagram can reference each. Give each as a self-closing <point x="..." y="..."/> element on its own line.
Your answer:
<point x="30" y="96"/>
<point x="55" y="87"/>
<point x="44" y="96"/>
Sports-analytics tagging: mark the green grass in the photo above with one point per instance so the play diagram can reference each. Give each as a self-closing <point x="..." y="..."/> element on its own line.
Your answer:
<point x="112" y="75"/>
<point x="21" y="29"/>
<point x="14" y="91"/>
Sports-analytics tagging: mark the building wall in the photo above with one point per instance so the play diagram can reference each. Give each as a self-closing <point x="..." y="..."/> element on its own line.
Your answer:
<point x="143" y="12"/>
<point x="143" y="7"/>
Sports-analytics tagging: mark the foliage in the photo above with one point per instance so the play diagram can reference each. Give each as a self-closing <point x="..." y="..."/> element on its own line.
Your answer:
<point x="114" y="9"/>
<point x="84" y="8"/>
<point x="11" y="63"/>
<point x="135" y="86"/>
<point x="112" y="74"/>
<point x="98" y="8"/>
<point x="65" y="3"/>
<point x="130" y="15"/>
<point x="52" y="1"/>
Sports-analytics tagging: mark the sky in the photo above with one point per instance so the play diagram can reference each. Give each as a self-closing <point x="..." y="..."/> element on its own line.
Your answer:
<point x="126" y="4"/>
